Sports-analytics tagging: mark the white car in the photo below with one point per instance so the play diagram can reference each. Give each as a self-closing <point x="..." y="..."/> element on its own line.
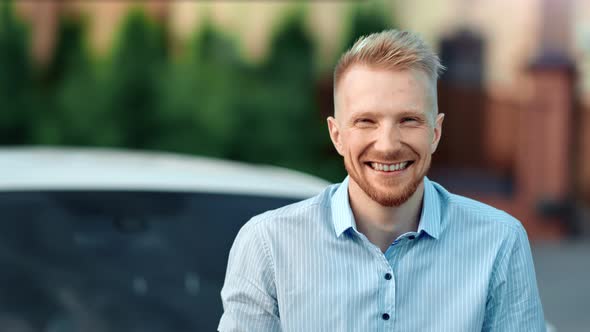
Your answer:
<point x="110" y="240"/>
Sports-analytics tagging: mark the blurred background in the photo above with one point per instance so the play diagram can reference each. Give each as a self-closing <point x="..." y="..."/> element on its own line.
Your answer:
<point x="252" y="81"/>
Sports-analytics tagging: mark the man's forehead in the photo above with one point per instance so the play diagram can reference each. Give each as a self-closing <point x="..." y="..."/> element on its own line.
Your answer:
<point x="367" y="85"/>
<point x="364" y="88"/>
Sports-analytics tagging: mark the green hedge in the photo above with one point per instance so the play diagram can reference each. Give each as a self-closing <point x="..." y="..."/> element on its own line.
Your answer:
<point x="205" y="101"/>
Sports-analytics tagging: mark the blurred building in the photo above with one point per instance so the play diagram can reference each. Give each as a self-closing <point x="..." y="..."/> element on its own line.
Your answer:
<point x="516" y="93"/>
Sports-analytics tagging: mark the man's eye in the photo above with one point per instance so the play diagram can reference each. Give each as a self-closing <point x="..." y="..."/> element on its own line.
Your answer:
<point x="363" y="120"/>
<point x="409" y="119"/>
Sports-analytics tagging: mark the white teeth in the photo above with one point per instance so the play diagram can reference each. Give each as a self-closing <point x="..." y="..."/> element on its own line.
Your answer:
<point x="389" y="167"/>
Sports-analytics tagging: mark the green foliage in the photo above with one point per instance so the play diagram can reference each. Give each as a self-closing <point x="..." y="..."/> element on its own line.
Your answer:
<point x="67" y="87"/>
<point x="16" y="85"/>
<point x="199" y="105"/>
<point x="83" y="116"/>
<point x="207" y="102"/>
<point x="70" y="50"/>
<point x="279" y="119"/>
<point x="133" y="88"/>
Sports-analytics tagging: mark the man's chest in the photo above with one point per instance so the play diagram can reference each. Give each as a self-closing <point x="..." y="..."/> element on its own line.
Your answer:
<point x="416" y="285"/>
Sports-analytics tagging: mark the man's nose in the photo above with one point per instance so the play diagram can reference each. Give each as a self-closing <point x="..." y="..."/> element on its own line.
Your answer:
<point x="389" y="138"/>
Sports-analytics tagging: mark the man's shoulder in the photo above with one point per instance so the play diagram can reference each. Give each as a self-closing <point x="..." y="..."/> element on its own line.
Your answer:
<point x="310" y="209"/>
<point x="468" y="210"/>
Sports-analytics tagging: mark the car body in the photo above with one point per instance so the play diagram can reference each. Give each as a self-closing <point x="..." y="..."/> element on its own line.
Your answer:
<point x="112" y="240"/>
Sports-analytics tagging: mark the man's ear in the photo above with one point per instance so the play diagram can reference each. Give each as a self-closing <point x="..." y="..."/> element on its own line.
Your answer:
<point x="335" y="134"/>
<point x="437" y="132"/>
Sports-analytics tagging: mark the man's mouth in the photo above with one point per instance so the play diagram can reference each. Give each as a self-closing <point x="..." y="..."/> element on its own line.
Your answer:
<point x="390" y="167"/>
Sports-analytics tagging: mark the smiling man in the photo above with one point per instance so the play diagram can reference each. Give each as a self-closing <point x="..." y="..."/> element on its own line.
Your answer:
<point x="386" y="249"/>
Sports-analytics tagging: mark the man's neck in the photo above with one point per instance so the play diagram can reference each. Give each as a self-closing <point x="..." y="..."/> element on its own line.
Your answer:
<point x="383" y="224"/>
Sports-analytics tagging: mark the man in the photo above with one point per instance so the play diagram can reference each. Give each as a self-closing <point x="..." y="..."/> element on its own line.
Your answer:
<point x="387" y="249"/>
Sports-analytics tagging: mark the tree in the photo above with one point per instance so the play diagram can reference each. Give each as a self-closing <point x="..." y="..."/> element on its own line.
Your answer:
<point x="70" y="49"/>
<point x="16" y="82"/>
<point x="69" y="91"/>
<point x="199" y="111"/>
<point x="133" y="88"/>
<point x="280" y="123"/>
<point x="82" y="113"/>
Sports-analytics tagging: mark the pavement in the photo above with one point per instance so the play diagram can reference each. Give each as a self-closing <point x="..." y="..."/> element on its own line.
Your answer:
<point x="563" y="276"/>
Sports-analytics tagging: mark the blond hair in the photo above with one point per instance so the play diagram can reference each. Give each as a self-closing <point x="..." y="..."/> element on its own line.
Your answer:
<point x="391" y="49"/>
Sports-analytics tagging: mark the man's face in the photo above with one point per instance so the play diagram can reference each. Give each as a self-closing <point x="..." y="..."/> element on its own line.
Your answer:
<point x="385" y="129"/>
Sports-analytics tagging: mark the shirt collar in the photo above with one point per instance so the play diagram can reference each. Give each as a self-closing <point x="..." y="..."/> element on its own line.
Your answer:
<point x="430" y="218"/>
<point x="341" y="212"/>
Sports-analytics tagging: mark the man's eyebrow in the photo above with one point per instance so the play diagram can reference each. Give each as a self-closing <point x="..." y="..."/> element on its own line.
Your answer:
<point x="359" y="114"/>
<point x="408" y="112"/>
<point x="413" y="113"/>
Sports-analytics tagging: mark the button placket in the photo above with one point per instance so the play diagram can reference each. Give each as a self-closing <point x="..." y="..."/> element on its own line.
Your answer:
<point x="386" y="286"/>
<point x="387" y="301"/>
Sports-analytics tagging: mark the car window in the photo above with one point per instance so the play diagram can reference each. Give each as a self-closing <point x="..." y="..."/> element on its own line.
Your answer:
<point x="117" y="261"/>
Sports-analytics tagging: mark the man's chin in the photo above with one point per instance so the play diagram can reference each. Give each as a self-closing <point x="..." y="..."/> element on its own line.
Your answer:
<point x="391" y="200"/>
<point x="391" y="196"/>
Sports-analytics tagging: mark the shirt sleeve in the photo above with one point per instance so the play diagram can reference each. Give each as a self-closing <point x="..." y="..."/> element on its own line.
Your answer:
<point x="513" y="301"/>
<point x="249" y="292"/>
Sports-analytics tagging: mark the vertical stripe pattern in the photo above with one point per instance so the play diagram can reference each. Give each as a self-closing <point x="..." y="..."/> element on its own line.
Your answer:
<point x="304" y="267"/>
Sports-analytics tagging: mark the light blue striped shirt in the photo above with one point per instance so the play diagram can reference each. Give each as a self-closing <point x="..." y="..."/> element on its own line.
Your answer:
<point x="305" y="267"/>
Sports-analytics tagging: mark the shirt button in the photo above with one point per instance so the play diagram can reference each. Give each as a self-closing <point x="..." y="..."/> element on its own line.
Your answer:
<point x="385" y="316"/>
<point x="411" y="237"/>
<point x="388" y="276"/>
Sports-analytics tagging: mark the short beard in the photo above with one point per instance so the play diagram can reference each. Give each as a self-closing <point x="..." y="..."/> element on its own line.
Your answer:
<point x="389" y="199"/>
